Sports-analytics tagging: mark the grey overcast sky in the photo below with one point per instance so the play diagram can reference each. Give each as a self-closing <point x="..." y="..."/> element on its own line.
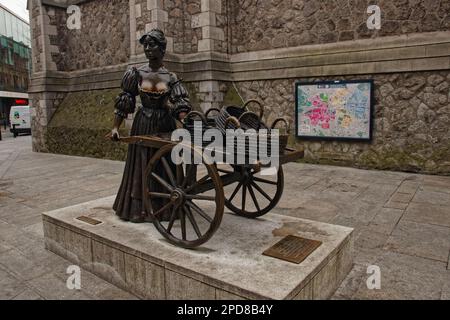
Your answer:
<point x="19" y="7"/>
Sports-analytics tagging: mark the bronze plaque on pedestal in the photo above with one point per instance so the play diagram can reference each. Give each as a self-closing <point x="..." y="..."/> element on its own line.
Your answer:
<point x="89" y="220"/>
<point x="292" y="248"/>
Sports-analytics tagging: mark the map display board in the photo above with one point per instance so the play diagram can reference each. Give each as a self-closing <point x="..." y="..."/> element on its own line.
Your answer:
<point x="338" y="110"/>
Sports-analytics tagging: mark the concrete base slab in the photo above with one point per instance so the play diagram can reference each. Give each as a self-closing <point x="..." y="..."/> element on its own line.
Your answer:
<point x="138" y="259"/>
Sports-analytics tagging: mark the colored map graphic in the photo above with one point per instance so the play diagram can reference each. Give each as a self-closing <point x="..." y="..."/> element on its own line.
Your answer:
<point x="340" y="110"/>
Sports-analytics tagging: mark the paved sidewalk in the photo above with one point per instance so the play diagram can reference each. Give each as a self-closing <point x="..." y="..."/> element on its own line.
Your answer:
<point x="31" y="183"/>
<point x="401" y="221"/>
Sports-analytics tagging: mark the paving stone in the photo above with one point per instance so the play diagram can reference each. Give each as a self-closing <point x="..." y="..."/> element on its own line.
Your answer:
<point x="428" y="213"/>
<point x="36" y="252"/>
<point x="435" y="187"/>
<point x="19" y="265"/>
<point x="369" y="245"/>
<point x="10" y="286"/>
<point x="51" y="287"/>
<point x="36" y="182"/>
<point x="402" y="197"/>
<point x="406" y="277"/>
<point x="323" y="212"/>
<point x="16" y="238"/>
<point x="28" y="294"/>
<point x="23" y="219"/>
<point x="377" y="193"/>
<point x="351" y="283"/>
<point x="303" y="183"/>
<point x="396" y="205"/>
<point x="441" y="181"/>
<point x="445" y="294"/>
<point x="360" y="211"/>
<point x="422" y="240"/>
<point x="347" y="222"/>
<point x="431" y="197"/>
<point x="408" y="187"/>
<point x="5" y="202"/>
<point x="4" y="246"/>
<point x="386" y="220"/>
<point x="35" y="229"/>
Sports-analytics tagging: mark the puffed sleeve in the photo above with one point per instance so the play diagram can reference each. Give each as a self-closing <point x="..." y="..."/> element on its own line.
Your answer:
<point x="126" y="100"/>
<point x="179" y="97"/>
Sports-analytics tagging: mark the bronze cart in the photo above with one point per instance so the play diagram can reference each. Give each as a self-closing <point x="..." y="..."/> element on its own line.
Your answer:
<point x="194" y="195"/>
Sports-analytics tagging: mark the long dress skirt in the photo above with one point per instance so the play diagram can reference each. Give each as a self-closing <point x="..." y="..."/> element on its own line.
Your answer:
<point x="129" y="203"/>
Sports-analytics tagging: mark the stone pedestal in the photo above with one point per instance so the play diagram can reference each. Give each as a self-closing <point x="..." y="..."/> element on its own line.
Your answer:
<point x="136" y="257"/>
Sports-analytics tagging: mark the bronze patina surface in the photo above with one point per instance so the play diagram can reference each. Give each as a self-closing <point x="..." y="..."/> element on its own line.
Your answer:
<point x="293" y="249"/>
<point x="185" y="207"/>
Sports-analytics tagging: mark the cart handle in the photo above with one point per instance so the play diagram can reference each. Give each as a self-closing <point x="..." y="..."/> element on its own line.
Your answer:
<point x="196" y="113"/>
<point x="251" y="113"/>
<point x="234" y="120"/>
<point x="286" y="123"/>
<point x="209" y="110"/>
<point x="261" y="108"/>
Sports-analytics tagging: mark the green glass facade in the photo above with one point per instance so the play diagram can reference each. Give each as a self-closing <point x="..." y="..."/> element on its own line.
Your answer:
<point x="13" y="27"/>
<point x="15" y="60"/>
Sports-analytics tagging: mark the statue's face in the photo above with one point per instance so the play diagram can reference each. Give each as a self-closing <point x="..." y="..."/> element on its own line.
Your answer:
<point x="152" y="50"/>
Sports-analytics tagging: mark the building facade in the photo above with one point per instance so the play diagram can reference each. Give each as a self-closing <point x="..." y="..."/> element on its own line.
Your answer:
<point x="15" y="61"/>
<point x="232" y="50"/>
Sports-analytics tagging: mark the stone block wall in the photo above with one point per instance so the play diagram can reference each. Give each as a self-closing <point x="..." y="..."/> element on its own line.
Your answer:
<point x="177" y="13"/>
<point x="36" y="33"/>
<point x="268" y="24"/>
<point x="103" y="40"/>
<point x="230" y="51"/>
<point x="410" y="128"/>
<point x="180" y="21"/>
<point x="209" y="94"/>
<point x="151" y="14"/>
<point x="186" y="38"/>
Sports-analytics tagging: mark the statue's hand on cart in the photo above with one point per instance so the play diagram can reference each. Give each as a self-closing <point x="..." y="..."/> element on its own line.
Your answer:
<point x="115" y="136"/>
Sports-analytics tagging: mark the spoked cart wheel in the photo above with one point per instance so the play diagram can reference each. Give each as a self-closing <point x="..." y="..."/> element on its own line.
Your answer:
<point x="185" y="200"/>
<point x="255" y="194"/>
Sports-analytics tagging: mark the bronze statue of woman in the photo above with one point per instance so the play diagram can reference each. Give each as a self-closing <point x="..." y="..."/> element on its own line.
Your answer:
<point x="164" y="99"/>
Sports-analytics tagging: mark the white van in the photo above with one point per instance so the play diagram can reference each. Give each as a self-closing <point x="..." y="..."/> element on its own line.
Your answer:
<point x="20" y="120"/>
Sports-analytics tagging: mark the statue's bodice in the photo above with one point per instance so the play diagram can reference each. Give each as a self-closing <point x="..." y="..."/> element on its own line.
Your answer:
<point x="154" y="90"/>
<point x="161" y="93"/>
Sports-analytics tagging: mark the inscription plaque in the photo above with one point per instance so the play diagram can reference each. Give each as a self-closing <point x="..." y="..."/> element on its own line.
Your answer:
<point x="293" y="249"/>
<point x="89" y="220"/>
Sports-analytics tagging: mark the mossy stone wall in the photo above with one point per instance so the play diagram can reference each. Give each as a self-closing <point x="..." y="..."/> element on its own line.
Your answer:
<point x="80" y="124"/>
